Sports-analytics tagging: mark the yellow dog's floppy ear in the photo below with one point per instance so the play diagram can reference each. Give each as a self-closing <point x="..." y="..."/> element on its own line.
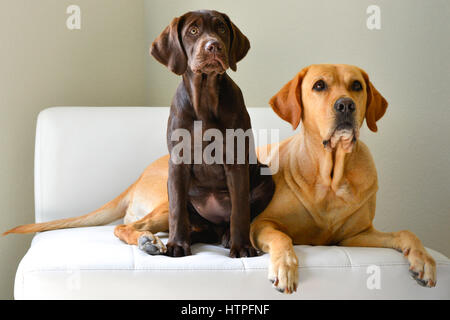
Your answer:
<point x="287" y="103"/>
<point x="376" y="104"/>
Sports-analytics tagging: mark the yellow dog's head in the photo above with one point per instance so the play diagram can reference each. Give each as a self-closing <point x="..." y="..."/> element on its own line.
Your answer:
<point x="332" y="101"/>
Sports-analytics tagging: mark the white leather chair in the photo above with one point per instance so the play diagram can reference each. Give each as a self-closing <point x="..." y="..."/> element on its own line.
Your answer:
<point x="85" y="156"/>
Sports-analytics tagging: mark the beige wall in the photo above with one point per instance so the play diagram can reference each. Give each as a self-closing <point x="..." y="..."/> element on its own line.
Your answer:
<point x="407" y="60"/>
<point x="106" y="63"/>
<point x="43" y="64"/>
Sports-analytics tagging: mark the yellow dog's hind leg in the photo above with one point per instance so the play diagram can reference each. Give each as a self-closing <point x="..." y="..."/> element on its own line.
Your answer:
<point x="141" y="232"/>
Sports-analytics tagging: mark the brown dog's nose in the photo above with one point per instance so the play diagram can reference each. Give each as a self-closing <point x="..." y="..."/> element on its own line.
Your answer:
<point x="213" y="46"/>
<point x="344" y="105"/>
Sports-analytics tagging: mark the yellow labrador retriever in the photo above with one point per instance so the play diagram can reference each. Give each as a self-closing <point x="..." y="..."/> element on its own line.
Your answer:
<point x="327" y="183"/>
<point x="325" y="187"/>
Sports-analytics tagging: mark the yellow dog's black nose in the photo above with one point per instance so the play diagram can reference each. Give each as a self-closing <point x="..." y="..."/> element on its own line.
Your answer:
<point x="344" y="105"/>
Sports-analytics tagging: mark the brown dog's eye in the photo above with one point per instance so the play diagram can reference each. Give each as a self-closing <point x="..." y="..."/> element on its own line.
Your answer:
<point x="319" y="85"/>
<point x="356" y="86"/>
<point x="222" y="29"/>
<point x="193" y="31"/>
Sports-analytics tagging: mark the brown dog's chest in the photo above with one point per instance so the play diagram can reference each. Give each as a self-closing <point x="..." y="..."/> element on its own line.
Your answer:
<point x="214" y="206"/>
<point x="209" y="194"/>
<point x="208" y="176"/>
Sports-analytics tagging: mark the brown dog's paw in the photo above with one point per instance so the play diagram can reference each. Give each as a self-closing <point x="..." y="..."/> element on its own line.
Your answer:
<point x="283" y="271"/>
<point x="226" y="242"/>
<point x="242" y="251"/>
<point x="422" y="267"/>
<point x="179" y="249"/>
<point x="151" y="244"/>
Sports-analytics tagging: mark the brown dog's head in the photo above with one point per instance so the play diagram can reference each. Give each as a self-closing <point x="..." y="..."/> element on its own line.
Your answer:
<point x="332" y="101"/>
<point x="203" y="41"/>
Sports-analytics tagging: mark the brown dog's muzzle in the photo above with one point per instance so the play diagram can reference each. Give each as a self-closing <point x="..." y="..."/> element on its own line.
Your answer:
<point x="214" y="47"/>
<point x="211" y="57"/>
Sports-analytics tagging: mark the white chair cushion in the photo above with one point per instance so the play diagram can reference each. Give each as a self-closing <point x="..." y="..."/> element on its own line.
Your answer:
<point x="86" y="156"/>
<point x="91" y="263"/>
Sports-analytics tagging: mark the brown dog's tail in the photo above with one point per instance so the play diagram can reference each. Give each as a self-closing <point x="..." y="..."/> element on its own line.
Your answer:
<point x="113" y="210"/>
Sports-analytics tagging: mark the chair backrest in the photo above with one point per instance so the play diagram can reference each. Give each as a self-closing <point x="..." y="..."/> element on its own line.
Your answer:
<point x="86" y="156"/>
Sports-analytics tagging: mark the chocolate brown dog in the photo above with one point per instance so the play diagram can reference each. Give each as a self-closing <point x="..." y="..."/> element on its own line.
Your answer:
<point x="208" y="202"/>
<point x="205" y="200"/>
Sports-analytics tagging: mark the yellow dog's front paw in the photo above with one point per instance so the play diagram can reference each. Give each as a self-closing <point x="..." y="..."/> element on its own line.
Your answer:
<point x="422" y="266"/>
<point x="283" y="271"/>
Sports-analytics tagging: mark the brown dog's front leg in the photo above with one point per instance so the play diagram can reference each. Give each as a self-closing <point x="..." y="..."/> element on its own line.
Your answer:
<point x="178" y="244"/>
<point x="238" y="182"/>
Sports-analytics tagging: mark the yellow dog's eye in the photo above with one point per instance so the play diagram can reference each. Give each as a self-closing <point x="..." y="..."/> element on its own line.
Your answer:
<point x="356" y="86"/>
<point x="193" y="31"/>
<point x="320" y="85"/>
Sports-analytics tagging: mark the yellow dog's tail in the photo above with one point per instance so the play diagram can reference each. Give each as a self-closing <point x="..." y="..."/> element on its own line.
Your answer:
<point x="113" y="210"/>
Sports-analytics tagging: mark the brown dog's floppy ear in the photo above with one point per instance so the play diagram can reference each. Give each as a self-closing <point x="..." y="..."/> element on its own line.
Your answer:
<point x="376" y="104"/>
<point x="168" y="50"/>
<point x="287" y="103"/>
<point x="239" y="44"/>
